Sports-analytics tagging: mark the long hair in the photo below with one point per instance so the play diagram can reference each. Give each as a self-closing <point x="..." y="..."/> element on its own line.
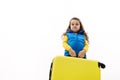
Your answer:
<point x="81" y="28"/>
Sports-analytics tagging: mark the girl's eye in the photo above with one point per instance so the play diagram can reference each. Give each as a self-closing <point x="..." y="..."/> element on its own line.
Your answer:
<point x="72" y="24"/>
<point x="76" y="24"/>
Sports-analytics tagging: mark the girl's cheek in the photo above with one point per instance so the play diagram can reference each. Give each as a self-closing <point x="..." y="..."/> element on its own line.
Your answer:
<point x="72" y="27"/>
<point x="78" y="27"/>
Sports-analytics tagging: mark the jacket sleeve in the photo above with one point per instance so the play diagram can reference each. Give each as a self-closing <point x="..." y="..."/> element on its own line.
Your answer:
<point x="86" y="45"/>
<point x="65" y="44"/>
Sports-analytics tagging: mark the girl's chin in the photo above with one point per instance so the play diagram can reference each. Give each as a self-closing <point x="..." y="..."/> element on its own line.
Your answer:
<point x="75" y="31"/>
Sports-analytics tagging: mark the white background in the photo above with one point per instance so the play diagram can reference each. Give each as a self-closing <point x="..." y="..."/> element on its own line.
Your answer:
<point x="30" y="35"/>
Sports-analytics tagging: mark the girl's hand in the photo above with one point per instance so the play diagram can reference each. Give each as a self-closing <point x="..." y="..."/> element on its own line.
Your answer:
<point x="72" y="53"/>
<point x="81" y="54"/>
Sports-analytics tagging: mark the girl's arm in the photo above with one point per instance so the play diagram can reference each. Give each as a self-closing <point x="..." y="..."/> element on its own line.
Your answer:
<point x="86" y="45"/>
<point x="85" y="49"/>
<point x="65" y="44"/>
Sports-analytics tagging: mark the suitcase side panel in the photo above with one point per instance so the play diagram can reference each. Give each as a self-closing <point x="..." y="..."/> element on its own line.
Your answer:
<point x="68" y="68"/>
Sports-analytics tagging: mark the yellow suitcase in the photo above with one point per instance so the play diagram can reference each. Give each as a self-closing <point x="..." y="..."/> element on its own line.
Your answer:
<point x="71" y="68"/>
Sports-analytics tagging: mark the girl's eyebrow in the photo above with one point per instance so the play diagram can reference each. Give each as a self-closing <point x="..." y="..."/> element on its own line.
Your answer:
<point x="75" y="23"/>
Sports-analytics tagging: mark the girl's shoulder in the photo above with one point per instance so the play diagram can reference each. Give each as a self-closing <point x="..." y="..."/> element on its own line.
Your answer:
<point x="69" y="34"/>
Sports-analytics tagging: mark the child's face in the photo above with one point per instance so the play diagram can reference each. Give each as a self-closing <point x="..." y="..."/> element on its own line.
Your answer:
<point x="75" y="25"/>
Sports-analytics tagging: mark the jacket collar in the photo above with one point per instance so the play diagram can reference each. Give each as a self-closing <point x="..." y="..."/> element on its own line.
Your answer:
<point x="80" y="32"/>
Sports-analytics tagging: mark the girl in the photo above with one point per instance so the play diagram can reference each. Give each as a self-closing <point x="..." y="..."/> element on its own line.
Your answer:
<point x="75" y="39"/>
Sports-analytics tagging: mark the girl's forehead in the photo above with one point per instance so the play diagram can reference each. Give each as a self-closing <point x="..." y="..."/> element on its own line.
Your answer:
<point x="74" y="21"/>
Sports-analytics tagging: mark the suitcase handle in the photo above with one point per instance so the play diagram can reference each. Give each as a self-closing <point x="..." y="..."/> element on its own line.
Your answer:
<point x="101" y="65"/>
<point x="50" y="71"/>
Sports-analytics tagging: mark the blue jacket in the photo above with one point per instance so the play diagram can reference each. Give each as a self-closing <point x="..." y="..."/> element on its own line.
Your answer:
<point x="76" y="41"/>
